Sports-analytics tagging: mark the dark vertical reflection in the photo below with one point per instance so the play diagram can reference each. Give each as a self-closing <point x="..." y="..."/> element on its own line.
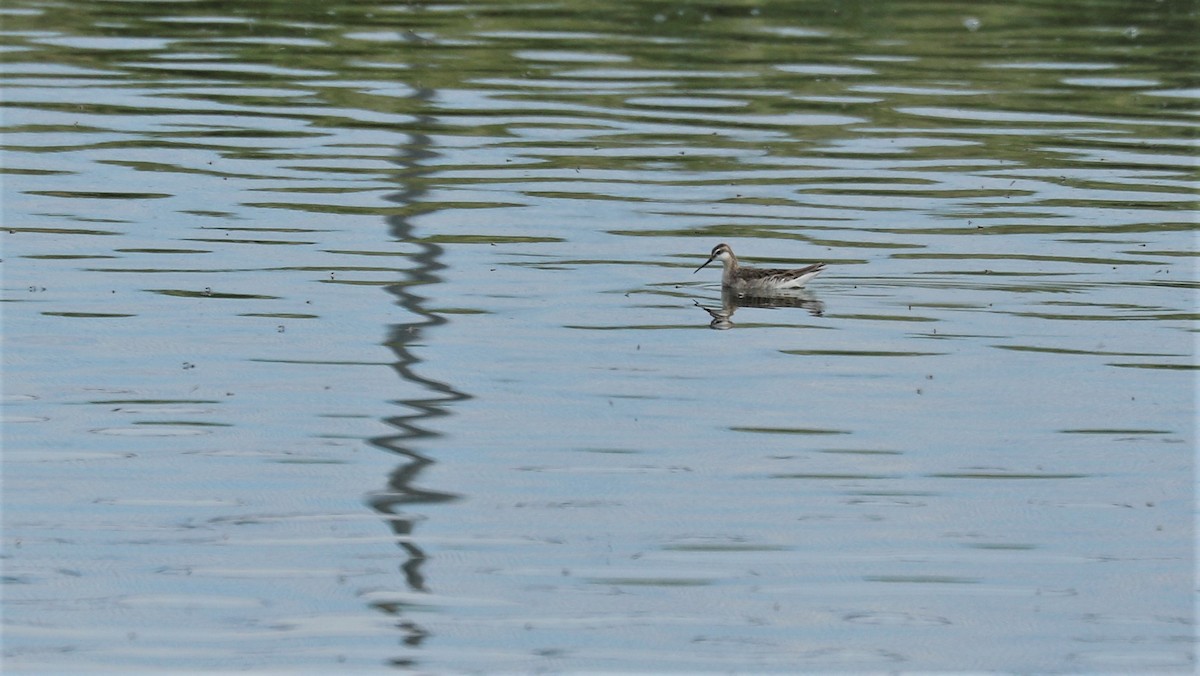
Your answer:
<point x="402" y="494"/>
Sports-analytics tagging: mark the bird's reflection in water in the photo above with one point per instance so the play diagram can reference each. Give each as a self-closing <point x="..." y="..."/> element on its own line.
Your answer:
<point x="722" y="317"/>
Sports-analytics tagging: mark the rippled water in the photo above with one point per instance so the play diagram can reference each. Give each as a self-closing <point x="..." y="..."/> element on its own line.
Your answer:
<point x="365" y="335"/>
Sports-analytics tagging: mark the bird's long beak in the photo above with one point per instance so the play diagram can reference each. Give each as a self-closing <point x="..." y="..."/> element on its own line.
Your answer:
<point x="710" y="259"/>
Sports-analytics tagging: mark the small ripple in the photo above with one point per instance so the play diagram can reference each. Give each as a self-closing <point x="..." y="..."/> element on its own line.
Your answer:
<point x="151" y="431"/>
<point x="824" y="69"/>
<point x="900" y="619"/>
<point x="1110" y="82"/>
<point x="557" y="56"/>
<point x="96" y="43"/>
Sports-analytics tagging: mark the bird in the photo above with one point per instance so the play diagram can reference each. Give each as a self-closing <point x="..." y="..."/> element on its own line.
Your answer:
<point x="747" y="280"/>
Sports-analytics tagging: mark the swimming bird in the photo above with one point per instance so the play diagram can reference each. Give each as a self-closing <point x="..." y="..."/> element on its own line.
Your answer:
<point x="748" y="280"/>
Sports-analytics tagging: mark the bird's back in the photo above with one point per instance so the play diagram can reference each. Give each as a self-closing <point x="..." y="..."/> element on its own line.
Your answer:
<point x="767" y="279"/>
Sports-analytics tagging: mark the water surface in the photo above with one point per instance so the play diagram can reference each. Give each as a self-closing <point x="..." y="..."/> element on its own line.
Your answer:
<point x="363" y="336"/>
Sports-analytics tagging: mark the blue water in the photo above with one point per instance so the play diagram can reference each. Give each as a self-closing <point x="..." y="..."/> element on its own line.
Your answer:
<point x="361" y="337"/>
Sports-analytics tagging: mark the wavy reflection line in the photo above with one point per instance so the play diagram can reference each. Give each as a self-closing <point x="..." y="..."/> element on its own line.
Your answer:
<point x="402" y="492"/>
